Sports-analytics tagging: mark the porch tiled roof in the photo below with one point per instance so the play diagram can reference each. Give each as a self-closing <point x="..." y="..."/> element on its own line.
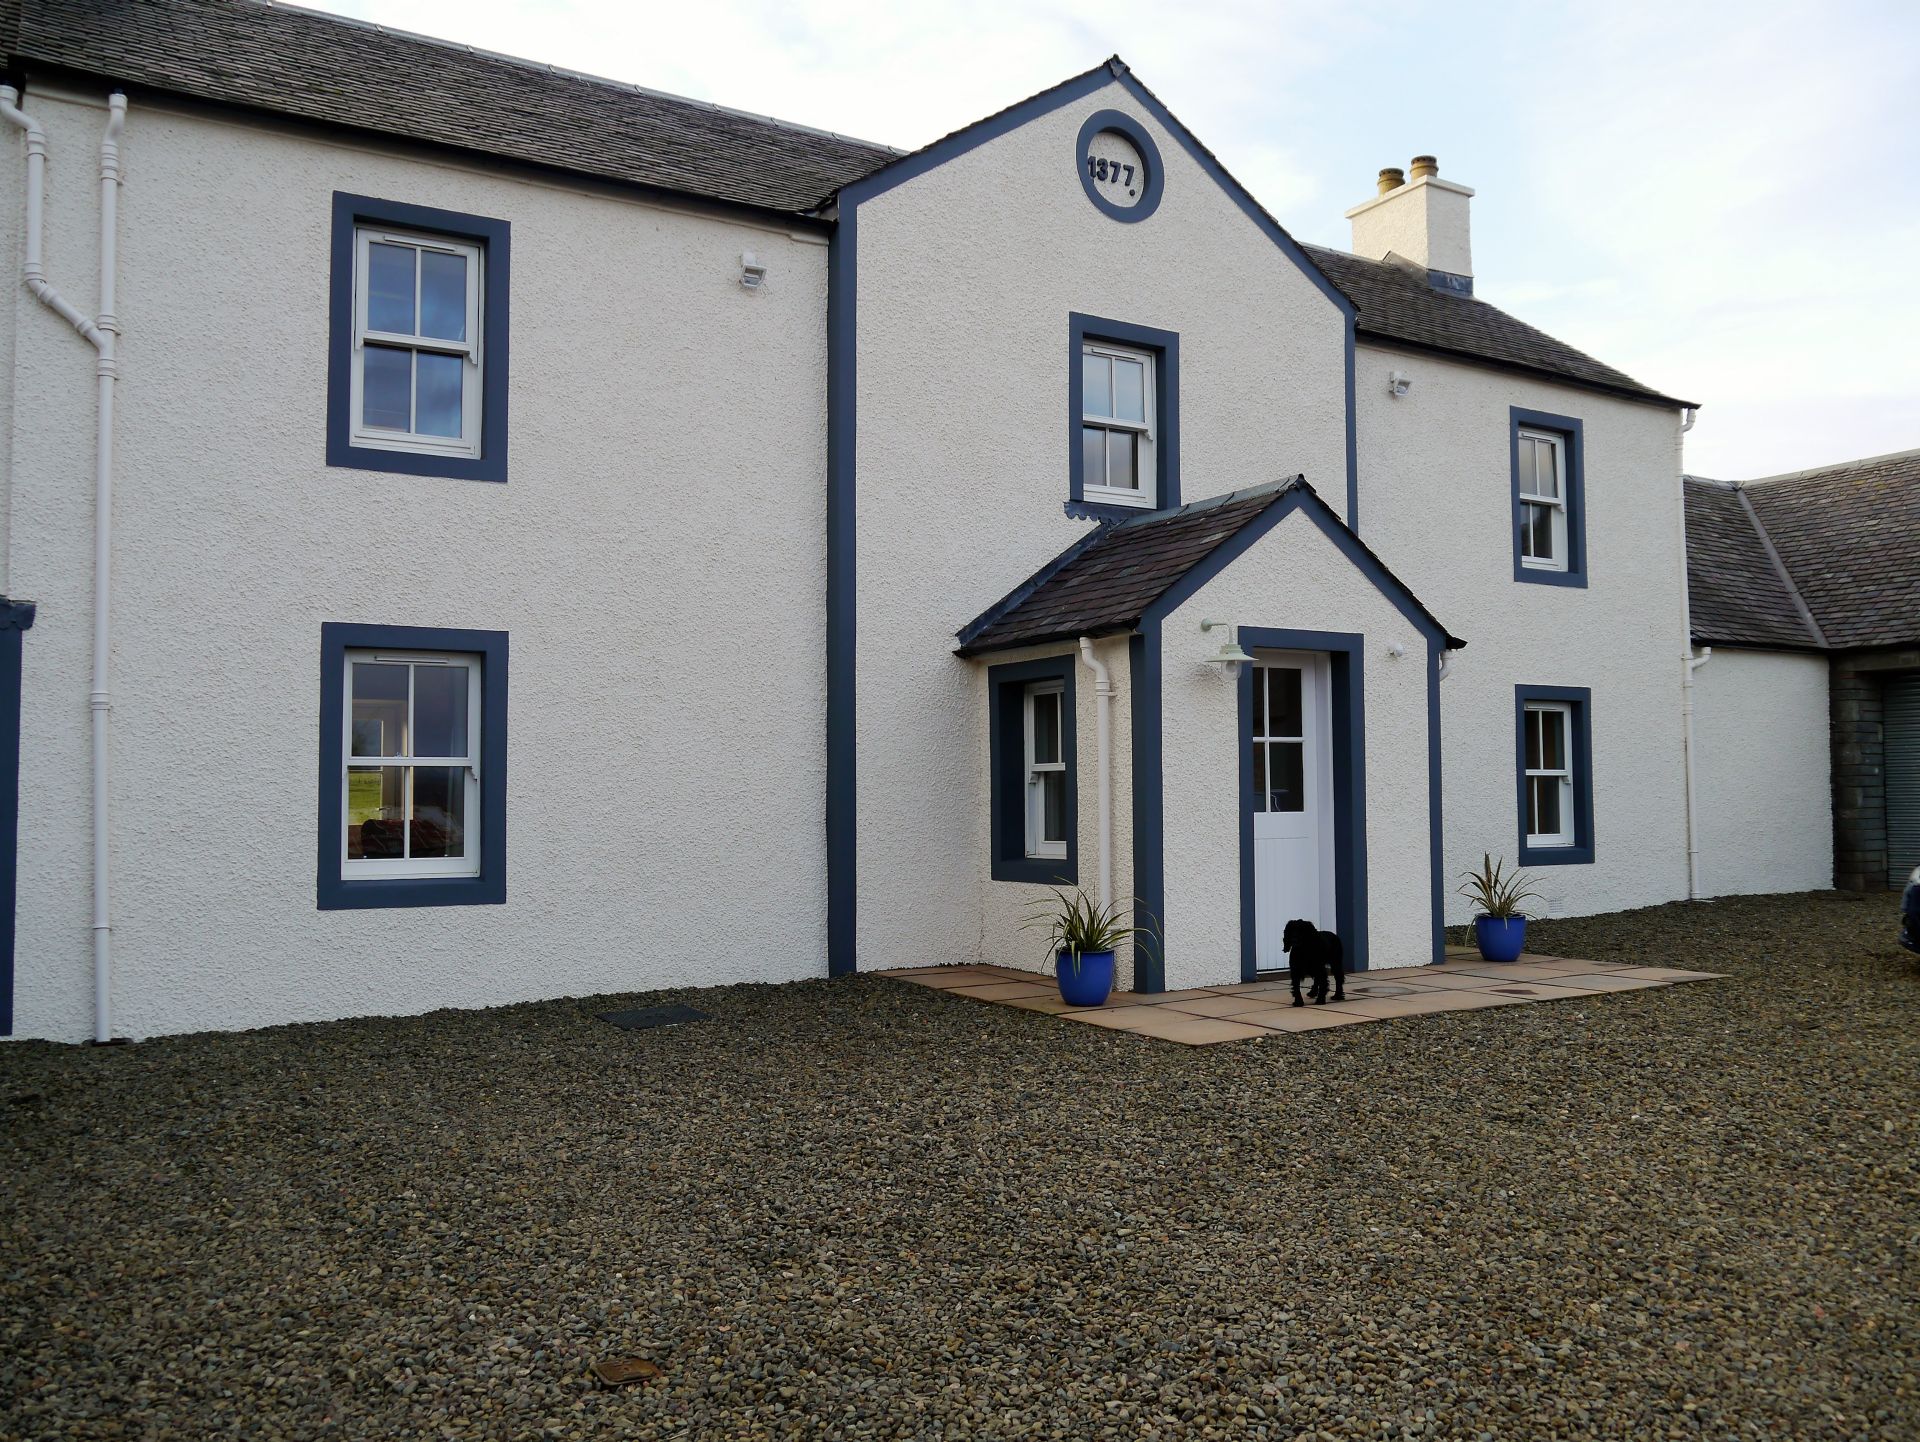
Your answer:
<point x="1108" y="580"/>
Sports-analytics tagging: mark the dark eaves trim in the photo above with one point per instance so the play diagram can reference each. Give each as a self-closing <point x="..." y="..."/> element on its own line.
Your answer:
<point x="21" y="71"/>
<point x="1392" y="342"/>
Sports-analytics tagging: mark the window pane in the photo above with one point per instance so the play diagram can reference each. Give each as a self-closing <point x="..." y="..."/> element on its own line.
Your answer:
<point x="439" y="826"/>
<point x="1259" y="776"/>
<point x="439" y="711"/>
<point x="1046" y="727"/>
<point x="379" y="709"/>
<point x="1286" y="784"/>
<point x="1093" y="456"/>
<point x="1548" y="481"/>
<point x="1528" y="471"/>
<point x="443" y="295"/>
<point x="1053" y="806"/>
<point x="386" y="387"/>
<point x="1129" y="390"/>
<point x="1546" y="806"/>
<point x="1259" y="701"/>
<point x="376" y="802"/>
<point x="1542" y="525"/>
<point x="390" y="288"/>
<point x="1533" y="739"/>
<point x="1283" y="701"/>
<point x="1096" y="385"/>
<point x="1121" y="470"/>
<point x="438" y="413"/>
<point x="1553" y="740"/>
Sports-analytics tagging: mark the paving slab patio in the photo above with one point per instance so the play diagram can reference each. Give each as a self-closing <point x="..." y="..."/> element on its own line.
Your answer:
<point x="1204" y="1016"/>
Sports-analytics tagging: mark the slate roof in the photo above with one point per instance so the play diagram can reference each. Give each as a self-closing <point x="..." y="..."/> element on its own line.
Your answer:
<point x="328" y="68"/>
<point x="1106" y="581"/>
<point x="1737" y="592"/>
<point x="1397" y="306"/>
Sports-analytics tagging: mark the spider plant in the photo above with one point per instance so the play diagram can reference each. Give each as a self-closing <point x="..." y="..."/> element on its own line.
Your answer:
<point x="1076" y="924"/>
<point x="1496" y="891"/>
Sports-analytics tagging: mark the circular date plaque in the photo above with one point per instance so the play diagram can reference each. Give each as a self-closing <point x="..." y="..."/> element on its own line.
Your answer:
<point x="1119" y="166"/>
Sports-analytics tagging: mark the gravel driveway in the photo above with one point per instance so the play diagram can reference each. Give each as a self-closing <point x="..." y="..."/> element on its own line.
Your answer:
<point x="863" y="1209"/>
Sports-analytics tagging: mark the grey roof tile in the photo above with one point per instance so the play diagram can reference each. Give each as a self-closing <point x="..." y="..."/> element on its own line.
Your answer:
<point x="1106" y="581"/>
<point x="1397" y="305"/>
<point x="1737" y="594"/>
<point x="327" y="68"/>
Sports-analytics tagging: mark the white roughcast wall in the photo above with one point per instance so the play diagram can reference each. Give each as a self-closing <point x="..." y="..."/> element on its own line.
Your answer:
<point x="1762" y="781"/>
<point x="656" y="557"/>
<point x="967" y="276"/>
<point x="1292" y="578"/>
<point x="1436" y="503"/>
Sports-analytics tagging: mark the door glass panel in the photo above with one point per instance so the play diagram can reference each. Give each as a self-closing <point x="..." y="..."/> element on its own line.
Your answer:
<point x="1129" y="390"/>
<point x="1286" y="776"/>
<point x="379" y="709"/>
<point x="1259" y="689"/>
<point x="376" y="802"/>
<point x="1053" y="806"/>
<point x="1260" y="776"/>
<point x="443" y="295"/>
<point x="439" y="825"/>
<point x="440" y="711"/>
<point x="1283" y="701"/>
<point x="1096" y="385"/>
<point x="390" y="288"/>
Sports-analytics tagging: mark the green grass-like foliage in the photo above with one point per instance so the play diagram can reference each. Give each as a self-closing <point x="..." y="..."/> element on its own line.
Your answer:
<point x="1496" y="891"/>
<point x="1075" y="923"/>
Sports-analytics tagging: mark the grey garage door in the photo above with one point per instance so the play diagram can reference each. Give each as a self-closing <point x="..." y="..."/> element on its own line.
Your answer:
<point x="1902" y="715"/>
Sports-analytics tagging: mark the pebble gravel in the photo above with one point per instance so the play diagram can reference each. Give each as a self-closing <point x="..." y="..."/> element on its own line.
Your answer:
<point x="860" y="1209"/>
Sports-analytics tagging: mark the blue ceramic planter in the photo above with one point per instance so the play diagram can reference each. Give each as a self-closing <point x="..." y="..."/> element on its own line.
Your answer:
<point x="1500" y="938"/>
<point x="1087" y="982"/>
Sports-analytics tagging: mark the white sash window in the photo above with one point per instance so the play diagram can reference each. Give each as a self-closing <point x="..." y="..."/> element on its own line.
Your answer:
<point x="411" y="792"/>
<point x="417" y="363"/>
<point x="1117" y="405"/>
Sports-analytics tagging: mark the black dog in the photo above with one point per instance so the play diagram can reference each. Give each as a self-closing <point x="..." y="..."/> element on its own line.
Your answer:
<point x="1314" y="955"/>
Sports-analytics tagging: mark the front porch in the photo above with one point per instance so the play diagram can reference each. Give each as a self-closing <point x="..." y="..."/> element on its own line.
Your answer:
<point x="1203" y="1016"/>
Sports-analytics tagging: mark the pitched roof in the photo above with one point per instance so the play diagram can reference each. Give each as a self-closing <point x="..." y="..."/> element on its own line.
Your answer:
<point x="1850" y="537"/>
<point x="1398" y="306"/>
<point x="1109" y="579"/>
<point x="328" y="68"/>
<point x="1738" y="592"/>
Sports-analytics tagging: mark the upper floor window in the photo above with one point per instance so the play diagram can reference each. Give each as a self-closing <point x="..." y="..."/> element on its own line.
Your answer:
<point x="1543" y="500"/>
<point x="1123" y="397"/>
<point x="1549" y="505"/>
<point x="1117" y="403"/>
<point x="417" y="356"/>
<point x="416" y="342"/>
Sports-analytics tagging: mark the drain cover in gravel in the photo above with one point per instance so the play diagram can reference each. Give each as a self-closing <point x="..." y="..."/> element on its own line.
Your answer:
<point x="616" y="1370"/>
<point x="642" y="1017"/>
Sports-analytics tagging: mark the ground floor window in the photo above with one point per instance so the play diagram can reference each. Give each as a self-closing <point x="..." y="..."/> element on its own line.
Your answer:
<point x="1032" y="755"/>
<point x="413" y="766"/>
<point x="1555" y="768"/>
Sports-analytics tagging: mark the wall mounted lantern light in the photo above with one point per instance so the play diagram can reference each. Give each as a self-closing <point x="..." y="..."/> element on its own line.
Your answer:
<point x="1229" y="656"/>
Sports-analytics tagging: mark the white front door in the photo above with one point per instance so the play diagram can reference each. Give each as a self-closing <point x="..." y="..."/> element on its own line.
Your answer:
<point x="1290" y="730"/>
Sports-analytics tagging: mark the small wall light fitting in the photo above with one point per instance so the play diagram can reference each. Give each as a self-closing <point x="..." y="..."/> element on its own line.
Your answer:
<point x="752" y="274"/>
<point x="1229" y="656"/>
<point x="1398" y="383"/>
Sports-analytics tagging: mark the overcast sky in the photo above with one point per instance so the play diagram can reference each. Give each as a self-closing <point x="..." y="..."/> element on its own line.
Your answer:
<point x="1718" y="198"/>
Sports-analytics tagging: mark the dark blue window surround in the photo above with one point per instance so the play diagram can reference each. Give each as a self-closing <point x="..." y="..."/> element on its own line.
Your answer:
<point x="1007" y="730"/>
<point x="1580" y="700"/>
<point x="493" y="237"/>
<point x="490" y="886"/>
<point x="1165" y="348"/>
<point x="1569" y="428"/>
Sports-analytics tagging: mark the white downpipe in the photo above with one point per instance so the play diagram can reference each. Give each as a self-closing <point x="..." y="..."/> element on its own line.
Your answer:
<point x="101" y="333"/>
<point x="1103" y="730"/>
<point x="1689" y="663"/>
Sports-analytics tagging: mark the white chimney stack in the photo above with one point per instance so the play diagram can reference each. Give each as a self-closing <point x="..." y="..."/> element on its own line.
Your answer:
<point x="1422" y="221"/>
